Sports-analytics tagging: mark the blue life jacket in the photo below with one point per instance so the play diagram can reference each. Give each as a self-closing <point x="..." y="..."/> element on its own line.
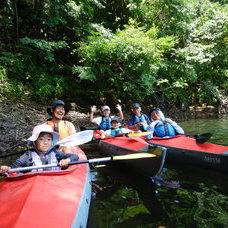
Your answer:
<point x="143" y="118"/>
<point x="164" y="128"/>
<point x="105" y="123"/>
<point x="116" y="131"/>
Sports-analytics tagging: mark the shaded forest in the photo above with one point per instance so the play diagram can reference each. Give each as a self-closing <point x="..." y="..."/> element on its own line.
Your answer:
<point x="169" y="52"/>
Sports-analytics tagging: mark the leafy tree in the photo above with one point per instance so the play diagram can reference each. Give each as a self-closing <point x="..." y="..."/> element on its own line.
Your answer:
<point x="195" y="72"/>
<point x="171" y="52"/>
<point x="126" y="62"/>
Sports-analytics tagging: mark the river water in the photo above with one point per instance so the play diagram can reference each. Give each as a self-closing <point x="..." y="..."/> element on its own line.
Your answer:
<point x="181" y="196"/>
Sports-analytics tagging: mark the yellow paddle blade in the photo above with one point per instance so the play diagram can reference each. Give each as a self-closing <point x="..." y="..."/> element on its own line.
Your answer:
<point x="140" y="133"/>
<point x="133" y="156"/>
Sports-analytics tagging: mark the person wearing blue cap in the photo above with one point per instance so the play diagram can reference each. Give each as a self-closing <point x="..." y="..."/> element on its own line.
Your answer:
<point x="161" y="126"/>
<point x="57" y="110"/>
<point x="138" y="119"/>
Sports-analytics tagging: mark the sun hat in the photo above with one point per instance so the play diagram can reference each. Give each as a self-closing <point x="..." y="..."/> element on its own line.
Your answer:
<point x="54" y="104"/>
<point x="161" y="114"/>
<point x="116" y="119"/>
<point x="136" y="105"/>
<point x="105" y="108"/>
<point x="42" y="128"/>
<point x="155" y="110"/>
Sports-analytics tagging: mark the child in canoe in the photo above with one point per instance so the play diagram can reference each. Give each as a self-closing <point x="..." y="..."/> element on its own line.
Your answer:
<point x="115" y="129"/>
<point x="43" y="151"/>
<point x="104" y="121"/>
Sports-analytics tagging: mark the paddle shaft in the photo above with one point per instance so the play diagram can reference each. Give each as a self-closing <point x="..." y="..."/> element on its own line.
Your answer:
<point x="83" y="137"/>
<point x="125" y="135"/>
<point x="120" y="157"/>
<point x="54" y="165"/>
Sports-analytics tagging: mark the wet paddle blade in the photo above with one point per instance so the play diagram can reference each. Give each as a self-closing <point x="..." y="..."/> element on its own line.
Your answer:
<point x="76" y="139"/>
<point x="203" y="137"/>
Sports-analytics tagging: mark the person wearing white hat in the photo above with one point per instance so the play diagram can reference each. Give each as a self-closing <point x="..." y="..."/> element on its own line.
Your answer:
<point x="43" y="151"/>
<point x="104" y="121"/>
<point x="161" y="126"/>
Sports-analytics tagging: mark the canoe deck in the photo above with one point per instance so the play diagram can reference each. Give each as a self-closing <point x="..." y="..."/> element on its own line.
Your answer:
<point x="187" y="150"/>
<point x="129" y="145"/>
<point x="47" y="199"/>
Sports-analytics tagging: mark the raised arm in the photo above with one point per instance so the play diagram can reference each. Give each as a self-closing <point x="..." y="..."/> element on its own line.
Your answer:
<point x="93" y="110"/>
<point x="119" y="108"/>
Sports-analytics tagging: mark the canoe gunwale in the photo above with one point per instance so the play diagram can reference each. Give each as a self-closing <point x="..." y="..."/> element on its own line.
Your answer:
<point x="217" y="161"/>
<point x="45" y="173"/>
<point x="111" y="149"/>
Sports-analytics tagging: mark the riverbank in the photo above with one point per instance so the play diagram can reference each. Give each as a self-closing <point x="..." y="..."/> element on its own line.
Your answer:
<point x="18" y="119"/>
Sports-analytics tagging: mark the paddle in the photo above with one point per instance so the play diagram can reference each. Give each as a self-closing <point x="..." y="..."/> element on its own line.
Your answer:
<point x="202" y="138"/>
<point x="112" y="158"/>
<point x="82" y="137"/>
<point x="76" y="138"/>
<point x="133" y="134"/>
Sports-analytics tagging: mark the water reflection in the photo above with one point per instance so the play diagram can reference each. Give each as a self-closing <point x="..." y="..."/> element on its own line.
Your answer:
<point x="170" y="200"/>
<point x="181" y="196"/>
<point x="127" y="198"/>
<point x="217" y="125"/>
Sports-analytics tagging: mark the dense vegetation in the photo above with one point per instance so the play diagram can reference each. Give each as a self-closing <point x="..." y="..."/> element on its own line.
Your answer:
<point x="169" y="51"/>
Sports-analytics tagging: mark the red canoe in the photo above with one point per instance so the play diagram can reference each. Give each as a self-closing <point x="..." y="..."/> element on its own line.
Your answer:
<point x="47" y="198"/>
<point x="186" y="149"/>
<point x="129" y="145"/>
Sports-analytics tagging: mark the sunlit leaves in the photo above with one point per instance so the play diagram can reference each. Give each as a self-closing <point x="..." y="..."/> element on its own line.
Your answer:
<point x="128" y="59"/>
<point x="165" y="49"/>
<point x="46" y="48"/>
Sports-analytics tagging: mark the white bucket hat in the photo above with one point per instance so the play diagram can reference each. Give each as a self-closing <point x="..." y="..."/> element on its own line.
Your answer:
<point x="42" y="128"/>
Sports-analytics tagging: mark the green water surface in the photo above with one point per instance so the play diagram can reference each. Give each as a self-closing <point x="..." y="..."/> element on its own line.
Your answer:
<point x="181" y="196"/>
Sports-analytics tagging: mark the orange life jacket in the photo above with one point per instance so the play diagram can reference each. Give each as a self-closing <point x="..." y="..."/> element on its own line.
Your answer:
<point x="64" y="130"/>
<point x="61" y="127"/>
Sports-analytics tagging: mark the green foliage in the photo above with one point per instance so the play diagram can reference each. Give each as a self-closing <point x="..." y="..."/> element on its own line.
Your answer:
<point x="9" y="88"/>
<point x="173" y="51"/>
<point x="127" y="61"/>
<point x="126" y="203"/>
<point x="197" y="66"/>
<point x="204" y="208"/>
<point x="43" y="48"/>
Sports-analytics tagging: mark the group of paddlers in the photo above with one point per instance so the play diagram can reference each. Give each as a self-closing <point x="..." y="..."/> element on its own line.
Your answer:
<point x="155" y="122"/>
<point x="45" y="135"/>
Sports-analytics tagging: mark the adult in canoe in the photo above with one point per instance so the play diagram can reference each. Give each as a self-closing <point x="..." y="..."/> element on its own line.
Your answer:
<point x="57" y="110"/>
<point x="161" y="126"/>
<point x="43" y="150"/>
<point x="104" y="121"/>
<point x="138" y="119"/>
